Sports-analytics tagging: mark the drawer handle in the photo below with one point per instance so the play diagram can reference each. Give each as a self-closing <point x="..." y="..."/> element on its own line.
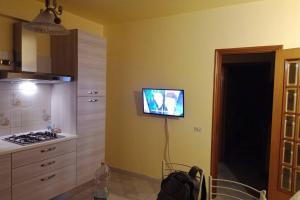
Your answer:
<point x="47" y="150"/>
<point x="92" y="100"/>
<point x="48" y="178"/>
<point x="90" y="92"/>
<point x="47" y="164"/>
<point x="95" y="92"/>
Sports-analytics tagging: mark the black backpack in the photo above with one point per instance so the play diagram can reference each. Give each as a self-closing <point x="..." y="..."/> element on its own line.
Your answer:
<point x="180" y="185"/>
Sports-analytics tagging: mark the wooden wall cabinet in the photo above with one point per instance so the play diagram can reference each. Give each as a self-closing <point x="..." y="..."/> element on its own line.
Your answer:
<point x="87" y="53"/>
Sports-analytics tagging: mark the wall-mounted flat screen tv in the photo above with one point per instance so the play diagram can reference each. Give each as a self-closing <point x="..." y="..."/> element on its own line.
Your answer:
<point x="168" y="102"/>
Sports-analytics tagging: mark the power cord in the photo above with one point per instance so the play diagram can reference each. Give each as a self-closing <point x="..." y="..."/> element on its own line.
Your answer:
<point x="167" y="156"/>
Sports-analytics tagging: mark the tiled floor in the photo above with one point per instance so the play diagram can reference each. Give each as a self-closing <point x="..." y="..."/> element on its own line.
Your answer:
<point x="126" y="186"/>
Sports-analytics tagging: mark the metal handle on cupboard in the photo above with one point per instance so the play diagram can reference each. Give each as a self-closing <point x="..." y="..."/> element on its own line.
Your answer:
<point x="48" y="149"/>
<point x="48" y="178"/>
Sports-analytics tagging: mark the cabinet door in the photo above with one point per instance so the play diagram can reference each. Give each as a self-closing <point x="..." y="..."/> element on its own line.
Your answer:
<point x="5" y="177"/>
<point x="91" y="65"/>
<point x="91" y="136"/>
<point x="90" y="154"/>
<point x="90" y="116"/>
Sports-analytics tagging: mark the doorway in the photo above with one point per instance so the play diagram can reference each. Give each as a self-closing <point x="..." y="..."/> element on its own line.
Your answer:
<point x="242" y="115"/>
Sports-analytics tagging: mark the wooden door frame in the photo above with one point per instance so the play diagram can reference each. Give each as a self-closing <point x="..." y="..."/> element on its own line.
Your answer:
<point x="218" y="96"/>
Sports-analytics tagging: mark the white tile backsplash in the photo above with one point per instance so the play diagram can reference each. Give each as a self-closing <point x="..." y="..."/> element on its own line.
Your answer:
<point x="24" y="113"/>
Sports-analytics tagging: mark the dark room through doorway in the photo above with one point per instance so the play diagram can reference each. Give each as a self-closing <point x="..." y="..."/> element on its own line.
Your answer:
<point x="245" y="135"/>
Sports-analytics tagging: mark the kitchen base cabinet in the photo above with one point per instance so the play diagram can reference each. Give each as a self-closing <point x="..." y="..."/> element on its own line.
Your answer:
<point x="44" y="172"/>
<point x="46" y="186"/>
<point x="41" y="153"/>
<point x="24" y="173"/>
<point x="5" y="177"/>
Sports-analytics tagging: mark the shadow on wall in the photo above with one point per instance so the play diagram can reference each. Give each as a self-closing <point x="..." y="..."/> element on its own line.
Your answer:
<point x="138" y="97"/>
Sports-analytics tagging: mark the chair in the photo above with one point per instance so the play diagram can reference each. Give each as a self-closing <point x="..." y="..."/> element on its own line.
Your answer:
<point x="168" y="167"/>
<point x="227" y="189"/>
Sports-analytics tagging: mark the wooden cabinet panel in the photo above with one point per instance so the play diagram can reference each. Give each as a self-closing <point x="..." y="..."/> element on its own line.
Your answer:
<point x="91" y="65"/>
<point x="87" y="145"/>
<point x="5" y="177"/>
<point x="90" y="116"/>
<point x="86" y="171"/>
<point x="42" y="153"/>
<point x="90" y="39"/>
<point x="90" y="144"/>
<point x="91" y="82"/>
<point x="90" y="125"/>
<point x="90" y="105"/>
<point x="36" y="169"/>
<point x="46" y="186"/>
<point x="64" y="54"/>
<point x="5" y="194"/>
<point x="90" y="154"/>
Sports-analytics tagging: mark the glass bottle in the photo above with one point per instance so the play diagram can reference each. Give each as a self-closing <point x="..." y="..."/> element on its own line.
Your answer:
<point x="102" y="179"/>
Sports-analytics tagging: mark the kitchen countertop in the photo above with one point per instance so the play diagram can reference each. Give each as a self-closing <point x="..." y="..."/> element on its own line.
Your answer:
<point x="8" y="147"/>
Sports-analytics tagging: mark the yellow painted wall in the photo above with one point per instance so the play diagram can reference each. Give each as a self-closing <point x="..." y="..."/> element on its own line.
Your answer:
<point x="178" y="52"/>
<point x="27" y="10"/>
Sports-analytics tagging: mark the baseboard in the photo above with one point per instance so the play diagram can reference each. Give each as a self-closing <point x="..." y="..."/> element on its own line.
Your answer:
<point x="134" y="174"/>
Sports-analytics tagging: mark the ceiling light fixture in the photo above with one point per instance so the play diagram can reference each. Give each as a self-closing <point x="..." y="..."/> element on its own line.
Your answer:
<point x="48" y="21"/>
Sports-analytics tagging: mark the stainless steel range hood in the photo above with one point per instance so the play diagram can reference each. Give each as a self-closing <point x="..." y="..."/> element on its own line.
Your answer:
<point x="27" y="65"/>
<point x="15" y="76"/>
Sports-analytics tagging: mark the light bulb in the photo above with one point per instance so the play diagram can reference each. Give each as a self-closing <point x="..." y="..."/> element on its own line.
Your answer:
<point x="28" y="88"/>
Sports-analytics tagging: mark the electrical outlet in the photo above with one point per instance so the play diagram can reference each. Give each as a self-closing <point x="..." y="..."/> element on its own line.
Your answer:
<point x="197" y="129"/>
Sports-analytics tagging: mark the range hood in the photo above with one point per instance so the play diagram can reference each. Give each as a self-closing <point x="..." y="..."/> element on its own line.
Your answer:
<point x="17" y="76"/>
<point x="27" y="65"/>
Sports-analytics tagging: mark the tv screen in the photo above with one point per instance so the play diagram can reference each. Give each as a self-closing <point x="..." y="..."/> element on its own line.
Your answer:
<point x="168" y="102"/>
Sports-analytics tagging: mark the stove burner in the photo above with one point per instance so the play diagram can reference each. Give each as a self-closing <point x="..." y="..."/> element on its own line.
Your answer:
<point x="32" y="137"/>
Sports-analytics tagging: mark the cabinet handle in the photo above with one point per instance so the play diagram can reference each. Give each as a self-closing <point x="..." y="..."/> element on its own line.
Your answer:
<point x="90" y="92"/>
<point x="48" y="178"/>
<point x="47" y="150"/>
<point x="47" y="164"/>
<point x="95" y="92"/>
<point x="92" y="100"/>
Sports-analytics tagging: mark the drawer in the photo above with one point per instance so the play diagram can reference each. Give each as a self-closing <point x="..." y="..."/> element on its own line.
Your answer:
<point x="42" y="153"/>
<point x="27" y="172"/>
<point x="46" y="186"/>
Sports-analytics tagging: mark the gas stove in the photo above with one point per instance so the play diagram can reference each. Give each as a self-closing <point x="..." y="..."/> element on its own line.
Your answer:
<point x="32" y="137"/>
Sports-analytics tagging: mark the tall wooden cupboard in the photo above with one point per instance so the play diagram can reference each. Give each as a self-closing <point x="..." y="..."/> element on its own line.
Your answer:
<point x="83" y="56"/>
